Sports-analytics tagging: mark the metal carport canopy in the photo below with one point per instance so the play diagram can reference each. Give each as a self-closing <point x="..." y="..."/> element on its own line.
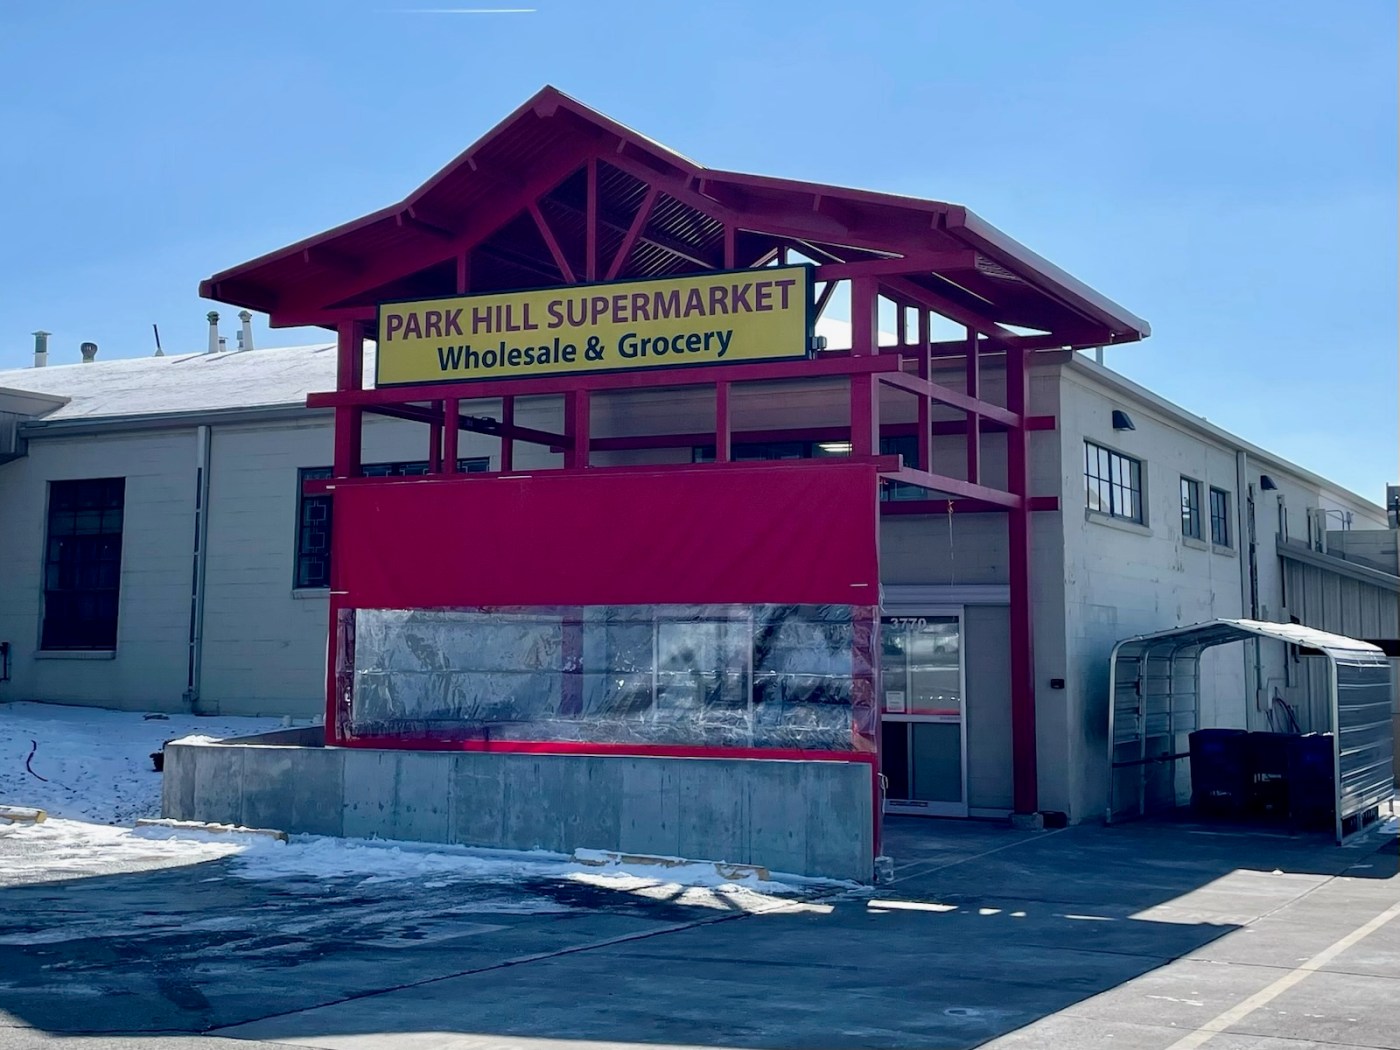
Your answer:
<point x="1363" y="744"/>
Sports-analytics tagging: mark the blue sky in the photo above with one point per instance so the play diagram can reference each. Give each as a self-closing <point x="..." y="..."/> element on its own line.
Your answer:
<point x="1226" y="170"/>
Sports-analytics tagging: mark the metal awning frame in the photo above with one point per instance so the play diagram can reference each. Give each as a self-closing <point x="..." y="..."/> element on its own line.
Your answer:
<point x="1363" y="743"/>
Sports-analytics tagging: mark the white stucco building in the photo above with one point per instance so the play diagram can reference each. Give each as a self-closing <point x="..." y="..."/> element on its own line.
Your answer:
<point x="157" y="553"/>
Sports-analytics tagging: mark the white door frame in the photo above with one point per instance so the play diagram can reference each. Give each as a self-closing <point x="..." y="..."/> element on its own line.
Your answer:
<point x="914" y="806"/>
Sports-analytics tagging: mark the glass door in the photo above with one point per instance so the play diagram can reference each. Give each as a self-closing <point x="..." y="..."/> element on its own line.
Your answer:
<point x="923" y="747"/>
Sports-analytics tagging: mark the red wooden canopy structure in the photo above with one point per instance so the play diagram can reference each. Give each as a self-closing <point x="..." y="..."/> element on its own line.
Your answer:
<point x="558" y="194"/>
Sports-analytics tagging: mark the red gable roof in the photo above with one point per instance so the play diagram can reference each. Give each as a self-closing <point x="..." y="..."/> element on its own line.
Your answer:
<point x="512" y="212"/>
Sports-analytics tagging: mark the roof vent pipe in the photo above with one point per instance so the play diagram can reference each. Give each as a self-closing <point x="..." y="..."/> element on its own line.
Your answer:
<point x="223" y="344"/>
<point x="245" y="333"/>
<point x="213" y="316"/>
<point x="41" y="349"/>
<point x="89" y="352"/>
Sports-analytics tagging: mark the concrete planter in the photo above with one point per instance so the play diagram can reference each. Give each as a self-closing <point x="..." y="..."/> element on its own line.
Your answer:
<point x="806" y="818"/>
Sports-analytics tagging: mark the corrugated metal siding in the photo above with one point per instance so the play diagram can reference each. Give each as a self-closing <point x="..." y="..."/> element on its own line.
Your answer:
<point x="1365" y="736"/>
<point x="1339" y="604"/>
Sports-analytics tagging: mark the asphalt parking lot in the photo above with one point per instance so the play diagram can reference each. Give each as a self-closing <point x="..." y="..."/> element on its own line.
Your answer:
<point x="1147" y="937"/>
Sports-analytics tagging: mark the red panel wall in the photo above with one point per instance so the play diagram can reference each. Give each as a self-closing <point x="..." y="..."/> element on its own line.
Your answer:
<point x="787" y="533"/>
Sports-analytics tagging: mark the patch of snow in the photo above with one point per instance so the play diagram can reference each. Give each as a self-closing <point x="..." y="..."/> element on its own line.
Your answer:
<point x="96" y="764"/>
<point x="98" y="769"/>
<point x="61" y="849"/>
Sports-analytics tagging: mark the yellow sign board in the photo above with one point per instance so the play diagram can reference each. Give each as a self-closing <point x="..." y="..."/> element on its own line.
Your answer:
<point x="709" y="318"/>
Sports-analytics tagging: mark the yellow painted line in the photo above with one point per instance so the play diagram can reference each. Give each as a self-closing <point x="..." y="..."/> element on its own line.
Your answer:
<point x="1266" y="995"/>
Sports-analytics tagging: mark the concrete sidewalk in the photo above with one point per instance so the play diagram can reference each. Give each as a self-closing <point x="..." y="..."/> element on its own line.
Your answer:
<point x="1136" y="937"/>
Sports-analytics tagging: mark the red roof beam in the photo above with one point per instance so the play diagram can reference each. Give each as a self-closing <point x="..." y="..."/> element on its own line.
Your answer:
<point x="952" y="486"/>
<point x="551" y="242"/>
<point x="476" y="424"/>
<point x="950" y="397"/>
<point x="939" y="428"/>
<point x="634" y="231"/>
<point x="914" y="262"/>
<point x="394" y="265"/>
<point x="642" y="379"/>
<point x="901" y="507"/>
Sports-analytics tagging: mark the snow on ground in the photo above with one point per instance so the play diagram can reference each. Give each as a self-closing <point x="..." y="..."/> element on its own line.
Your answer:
<point x="69" y="849"/>
<point x="99" y="772"/>
<point x="96" y="763"/>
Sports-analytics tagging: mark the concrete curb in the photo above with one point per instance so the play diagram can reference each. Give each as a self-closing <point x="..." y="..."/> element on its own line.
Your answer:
<point x="22" y="815"/>
<point x="609" y="859"/>
<point x="215" y="829"/>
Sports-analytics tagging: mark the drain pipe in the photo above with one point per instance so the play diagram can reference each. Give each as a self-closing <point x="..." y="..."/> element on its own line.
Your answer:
<point x="195" y="662"/>
<point x="1249" y="578"/>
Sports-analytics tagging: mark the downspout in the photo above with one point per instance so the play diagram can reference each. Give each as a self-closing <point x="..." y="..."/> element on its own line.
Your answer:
<point x="1249" y="576"/>
<point x="195" y="661"/>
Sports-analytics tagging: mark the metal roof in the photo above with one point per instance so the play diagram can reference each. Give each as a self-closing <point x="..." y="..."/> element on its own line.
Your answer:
<point x="1219" y="632"/>
<point x="185" y="383"/>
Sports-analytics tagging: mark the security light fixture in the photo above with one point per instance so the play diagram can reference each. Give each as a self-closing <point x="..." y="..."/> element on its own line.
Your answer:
<point x="1121" y="420"/>
<point x="838" y="447"/>
<point x="1266" y="483"/>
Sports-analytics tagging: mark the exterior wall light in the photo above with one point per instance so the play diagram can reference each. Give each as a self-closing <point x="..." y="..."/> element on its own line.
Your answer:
<point x="1122" y="421"/>
<point x="838" y="447"/>
<point x="1266" y="483"/>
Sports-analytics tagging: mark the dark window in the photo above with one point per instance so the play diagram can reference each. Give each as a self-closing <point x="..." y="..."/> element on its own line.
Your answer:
<point x="1191" y="508"/>
<point x="82" y="564"/>
<point x="1112" y="483"/>
<point x="906" y="445"/>
<point x="313" y="563"/>
<point x="1220" y="517"/>
<point x="313" y="532"/>
<point x="746" y="451"/>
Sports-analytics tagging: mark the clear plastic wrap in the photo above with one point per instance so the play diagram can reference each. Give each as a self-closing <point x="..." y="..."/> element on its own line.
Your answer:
<point x="727" y="676"/>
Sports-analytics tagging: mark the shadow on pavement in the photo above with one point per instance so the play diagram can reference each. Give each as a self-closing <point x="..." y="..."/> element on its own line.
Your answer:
<point x="983" y="931"/>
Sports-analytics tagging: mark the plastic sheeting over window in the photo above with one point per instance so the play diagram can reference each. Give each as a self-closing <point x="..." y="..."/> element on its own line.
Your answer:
<point x="707" y="676"/>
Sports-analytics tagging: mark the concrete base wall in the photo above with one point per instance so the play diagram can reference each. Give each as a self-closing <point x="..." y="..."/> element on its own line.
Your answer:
<point x="806" y="818"/>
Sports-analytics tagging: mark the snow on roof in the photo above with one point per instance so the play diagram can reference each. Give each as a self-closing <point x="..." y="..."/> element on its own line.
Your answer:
<point x="182" y="383"/>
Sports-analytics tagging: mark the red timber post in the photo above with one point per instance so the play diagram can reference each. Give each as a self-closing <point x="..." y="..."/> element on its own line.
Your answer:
<point x="865" y="441"/>
<point x="865" y="392"/>
<point x="1023" y="721"/>
<point x="925" y="446"/>
<point x="435" y="441"/>
<point x="590" y="253"/>
<point x="507" y="428"/>
<point x="340" y="636"/>
<point x="576" y="429"/>
<point x="349" y="375"/>
<point x="974" y="421"/>
<point x="723" y="443"/>
<point x="451" y="424"/>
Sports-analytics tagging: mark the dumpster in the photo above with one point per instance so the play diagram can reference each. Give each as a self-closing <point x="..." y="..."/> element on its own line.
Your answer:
<point x="1311" y="774"/>
<point x="1266" y="756"/>
<point x="1220" y="778"/>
